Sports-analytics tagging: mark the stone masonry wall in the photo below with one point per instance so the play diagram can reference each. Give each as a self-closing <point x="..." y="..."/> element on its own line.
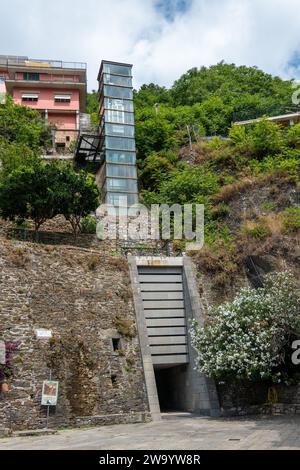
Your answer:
<point x="245" y="398"/>
<point x="85" y="299"/>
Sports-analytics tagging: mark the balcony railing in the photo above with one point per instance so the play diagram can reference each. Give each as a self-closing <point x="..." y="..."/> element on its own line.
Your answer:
<point x="26" y="62"/>
<point x="50" y="78"/>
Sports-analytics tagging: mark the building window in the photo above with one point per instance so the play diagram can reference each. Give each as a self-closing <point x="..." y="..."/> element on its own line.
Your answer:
<point x="123" y="171"/>
<point x="117" y="80"/>
<point x="117" y="69"/>
<point x="62" y="98"/>
<point x="118" y="104"/>
<point x="117" y="129"/>
<point x="30" y="97"/>
<point x="31" y="76"/>
<point x="60" y="145"/>
<point x="121" y="184"/>
<point x="119" y="143"/>
<point x="118" y="92"/>
<point x="119" y="199"/>
<point x="67" y="138"/>
<point x="114" y="156"/>
<point x="120" y="117"/>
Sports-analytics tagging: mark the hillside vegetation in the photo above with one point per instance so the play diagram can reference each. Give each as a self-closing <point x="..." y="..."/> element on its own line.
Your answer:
<point x="248" y="181"/>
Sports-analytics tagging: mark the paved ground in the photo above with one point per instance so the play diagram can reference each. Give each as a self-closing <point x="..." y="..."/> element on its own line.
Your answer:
<point x="174" y="432"/>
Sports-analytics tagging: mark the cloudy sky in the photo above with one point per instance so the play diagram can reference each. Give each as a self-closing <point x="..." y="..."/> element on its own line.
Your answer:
<point x="162" y="38"/>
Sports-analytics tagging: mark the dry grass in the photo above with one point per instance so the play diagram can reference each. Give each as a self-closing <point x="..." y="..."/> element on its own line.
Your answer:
<point x="19" y="257"/>
<point x="120" y="263"/>
<point x="275" y="179"/>
<point x="274" y="223"/>
<point x="124" y="326"/>
<point x="219" y="261"/>
<point x="255" y="230"/>
<point x="92" y="262"/>
<point x="230" y="190"/>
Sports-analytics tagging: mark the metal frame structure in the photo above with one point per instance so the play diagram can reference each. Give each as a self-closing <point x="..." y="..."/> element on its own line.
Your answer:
<point x="118" y="174"/>
<point x="88" y="148"/>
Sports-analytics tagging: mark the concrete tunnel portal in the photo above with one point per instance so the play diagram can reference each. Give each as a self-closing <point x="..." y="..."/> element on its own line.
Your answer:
<point x="166" y="300"/>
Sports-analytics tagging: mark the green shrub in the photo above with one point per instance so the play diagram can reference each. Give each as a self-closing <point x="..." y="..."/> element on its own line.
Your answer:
<point x="88" y="224"/>
<point x="293" y="136"/>
<point x="268" y="206"/>
<point x="256" y="231"/>
<point x="265" y="138"/>
<point x="286" y="163"/>
<point x="291" y="219"/>
<point x="21" y="224"/>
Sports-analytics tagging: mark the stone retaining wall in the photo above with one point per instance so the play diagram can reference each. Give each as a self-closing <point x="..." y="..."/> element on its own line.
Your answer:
<point x="238" y="399"/>
<point x="85" y="299"/>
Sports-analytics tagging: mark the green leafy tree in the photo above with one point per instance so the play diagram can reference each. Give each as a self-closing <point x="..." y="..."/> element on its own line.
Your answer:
<point x="149" y="95"/>
<point x="46" y="190"/>
<point x="92" y="107"/>
<point x="28" y="193"/>
<point x="155" y="169"/>
<point x="78" y="197"/>
<point x="232" y="83"/>
<point x="154" y="134"/>
<point x="23" y="125"/>
<point x="265" y="138"/>
<point x="293" y="136"/>
<point x="216" y="115"/>
<point x="14" y="155"/>
<point x="188" y="185"/>
<point x="261" y="139"/>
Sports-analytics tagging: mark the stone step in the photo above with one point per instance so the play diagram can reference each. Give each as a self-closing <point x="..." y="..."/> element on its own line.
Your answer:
<point x="34" y="432"/>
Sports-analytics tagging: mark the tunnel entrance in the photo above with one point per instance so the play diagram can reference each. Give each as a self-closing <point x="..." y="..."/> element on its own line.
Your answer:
<point x="171" y="384"/>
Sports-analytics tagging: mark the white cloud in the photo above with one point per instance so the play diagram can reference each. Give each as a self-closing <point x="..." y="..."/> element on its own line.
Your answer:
<point x="252" y="32"/>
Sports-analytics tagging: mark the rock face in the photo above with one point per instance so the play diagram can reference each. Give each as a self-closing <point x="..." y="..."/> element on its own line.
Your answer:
<point x="85" y="300"/>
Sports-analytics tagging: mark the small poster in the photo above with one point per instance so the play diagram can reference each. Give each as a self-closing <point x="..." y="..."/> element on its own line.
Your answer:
<point x="49" y="393"/>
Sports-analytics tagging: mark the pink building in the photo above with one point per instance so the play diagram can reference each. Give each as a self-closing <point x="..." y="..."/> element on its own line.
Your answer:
<point x="56" y="89"/>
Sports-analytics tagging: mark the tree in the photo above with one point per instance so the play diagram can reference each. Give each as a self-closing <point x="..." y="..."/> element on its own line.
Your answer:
<point x="79" y="196"/>
<point x="293" y="136"/>
<point x="232" y="83"/>
<point x="155" y="169"/>
<point x="261" y="139"/>
<point x="154" y="134"/>
<point x="216" y="115"/>
<point x="149" y="95"/>
<point x="28" y="192"/>
<point x="14" y="155"/>
<point x="46" y="190"/>
<point x="265" y="138"/>
<point x="251" y="337"/>
<point x="23" y="125"/>
<point x="188" y="185"/>
<point x="92" y="107"/>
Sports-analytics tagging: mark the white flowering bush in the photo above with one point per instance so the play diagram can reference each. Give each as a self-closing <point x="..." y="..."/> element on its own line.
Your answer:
<point x="250" y="337"/>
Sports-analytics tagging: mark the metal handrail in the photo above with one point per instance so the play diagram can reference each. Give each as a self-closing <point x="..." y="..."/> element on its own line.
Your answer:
<point x="25" y="61"/>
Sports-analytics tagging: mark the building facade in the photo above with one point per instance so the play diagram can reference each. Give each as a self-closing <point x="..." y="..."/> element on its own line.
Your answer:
<point x="117" y="175"/>
<point x="56" y="89"/>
